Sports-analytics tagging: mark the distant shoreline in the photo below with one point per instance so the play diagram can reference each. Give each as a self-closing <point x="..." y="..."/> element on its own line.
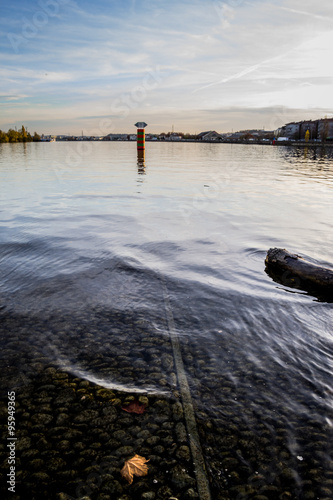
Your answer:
<point x="301" y="144"/>
<point x="248" y="143"/>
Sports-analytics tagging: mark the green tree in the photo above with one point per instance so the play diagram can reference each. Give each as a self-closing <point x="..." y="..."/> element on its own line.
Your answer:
<point x="18" y="136"/>
<point x="23" y="134"/>
<point x="3" y="137"/>
<point x="13" y="135"/>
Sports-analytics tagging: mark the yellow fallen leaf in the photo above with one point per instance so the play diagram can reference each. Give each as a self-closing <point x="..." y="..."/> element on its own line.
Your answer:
<point x="136" y="465"/>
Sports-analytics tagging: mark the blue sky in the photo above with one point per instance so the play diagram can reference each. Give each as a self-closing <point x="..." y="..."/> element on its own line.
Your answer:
<point x="69" y="66"/>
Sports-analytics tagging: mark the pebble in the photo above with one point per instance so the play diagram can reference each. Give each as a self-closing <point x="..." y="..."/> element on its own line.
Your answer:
<point x="41" y="419"/>
<point x="148" y="495"/>
<point x="183" y="453"/>
<point x="181" y="432"/>
<point x="190" y="494"/>
<point x="180" y="478"/>
<point x="177" y="411"/>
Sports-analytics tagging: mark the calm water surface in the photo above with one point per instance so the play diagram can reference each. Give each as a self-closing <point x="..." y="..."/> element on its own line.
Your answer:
<point x="94" y="246"/>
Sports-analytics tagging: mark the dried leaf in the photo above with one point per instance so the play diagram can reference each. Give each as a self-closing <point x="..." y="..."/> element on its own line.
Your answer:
<point x="135" y="407"/>
<point x="136" y="465"/>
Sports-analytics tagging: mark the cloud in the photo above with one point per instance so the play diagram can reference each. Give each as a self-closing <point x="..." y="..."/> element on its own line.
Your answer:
<point x="34" y="76"/>
<point x="13" y="97"/>
<point x="211" y="55"/>
<point x="95" y="117"/>
<point x="311" y="14"/>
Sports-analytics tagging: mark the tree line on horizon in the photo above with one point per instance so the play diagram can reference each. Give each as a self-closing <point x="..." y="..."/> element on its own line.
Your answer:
<point x="18" y="136"/>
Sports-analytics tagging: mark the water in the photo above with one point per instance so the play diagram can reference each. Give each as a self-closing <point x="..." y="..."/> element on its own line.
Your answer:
<point x="95" y="246"/>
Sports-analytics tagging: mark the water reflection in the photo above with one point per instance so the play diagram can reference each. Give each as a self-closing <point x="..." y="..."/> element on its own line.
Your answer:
<point x="317" y="154"/>
<point x="312" y="163"/>
<point x="141" y="162"/>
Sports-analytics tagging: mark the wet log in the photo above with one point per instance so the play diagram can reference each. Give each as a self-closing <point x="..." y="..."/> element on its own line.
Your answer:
<point x="294" y="271"/>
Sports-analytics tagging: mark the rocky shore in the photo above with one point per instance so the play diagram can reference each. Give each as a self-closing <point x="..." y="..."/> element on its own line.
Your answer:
<point x="74" y="436"/>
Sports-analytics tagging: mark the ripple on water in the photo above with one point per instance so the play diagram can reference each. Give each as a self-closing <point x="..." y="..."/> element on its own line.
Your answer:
<point x="83" y="261"/>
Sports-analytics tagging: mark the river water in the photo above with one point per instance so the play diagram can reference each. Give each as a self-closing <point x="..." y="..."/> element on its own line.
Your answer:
<point x="98" y="250"/>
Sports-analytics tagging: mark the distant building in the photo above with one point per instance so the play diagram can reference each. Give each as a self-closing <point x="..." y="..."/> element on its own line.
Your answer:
<point x="48" y="138"/>
<point x="258" y="136"/>
<point x="319" y="130"/>
<point x="210" y="136"/>
<point x="292" y="130"/>
<point x="325" y="129"/>
<point x="116" y="137"/>
<point x="283" y="139"/>
<point x="175" y="137"/>
<point x="311" y="126"/>
<point x="235" y="136"/>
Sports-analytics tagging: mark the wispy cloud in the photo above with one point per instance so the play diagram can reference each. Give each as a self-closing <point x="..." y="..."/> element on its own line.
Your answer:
<point x="12" y="97"/>
<point x="211" y="55"/>
<point x="240" y="74"/>
<point x="311" y="14"/>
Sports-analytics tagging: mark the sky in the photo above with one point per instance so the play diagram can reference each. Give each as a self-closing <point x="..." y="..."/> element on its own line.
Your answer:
<point x="77" y="66"/>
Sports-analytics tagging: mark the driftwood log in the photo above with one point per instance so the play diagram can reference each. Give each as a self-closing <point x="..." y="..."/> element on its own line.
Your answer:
<point x="296" y="272"/>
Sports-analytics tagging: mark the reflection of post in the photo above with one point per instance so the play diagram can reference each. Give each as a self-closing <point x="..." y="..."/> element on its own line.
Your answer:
<point x="141" y="162"/>
<point x="141" y="146"/>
